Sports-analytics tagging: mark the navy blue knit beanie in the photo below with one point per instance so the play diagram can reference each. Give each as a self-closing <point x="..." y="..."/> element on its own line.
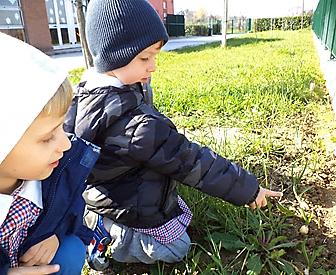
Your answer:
<point x="118" y="30"/>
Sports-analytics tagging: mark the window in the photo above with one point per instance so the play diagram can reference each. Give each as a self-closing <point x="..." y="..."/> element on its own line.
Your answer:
<point x="62" y="21"/>
<point x="11" y="21"/>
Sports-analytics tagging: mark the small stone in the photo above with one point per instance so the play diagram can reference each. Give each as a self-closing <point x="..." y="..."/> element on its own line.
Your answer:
<point x="303" y="205"/>
<point x="312" y="86"/>
<point x="304" y="230"/>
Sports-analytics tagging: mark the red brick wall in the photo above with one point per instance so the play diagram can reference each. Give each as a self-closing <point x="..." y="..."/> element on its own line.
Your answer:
<point x="158" y="5"/>
<point x="36" y="21"/>
<point x="36" y="24"/>
<point x="170" y="6"/>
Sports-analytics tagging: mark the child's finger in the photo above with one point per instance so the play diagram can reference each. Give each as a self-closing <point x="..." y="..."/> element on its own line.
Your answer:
<point x="34" y="270"/>
<point x="260" y="203"/>
<point x="35" y="260"/>
<point x="43" y="269"/>
<point x="46" y="258"/>
<point x="30" y="254"/>
<point x="263" y="203"/>
<point x="270" y="193"/>
<point x="252" y="205"/>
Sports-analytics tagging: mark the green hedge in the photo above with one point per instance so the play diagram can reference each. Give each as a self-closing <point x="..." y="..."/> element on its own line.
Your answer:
<point x="203" y="30"/>
<point x="282" y="23"/>
<point x="261" y="24"/>
<point x="197" y="30"/>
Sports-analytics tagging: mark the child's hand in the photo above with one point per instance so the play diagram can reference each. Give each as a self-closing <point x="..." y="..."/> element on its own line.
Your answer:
<point x="41" y="253"/>
<point x="261" y="200"/>
<point x="34" y="270"/>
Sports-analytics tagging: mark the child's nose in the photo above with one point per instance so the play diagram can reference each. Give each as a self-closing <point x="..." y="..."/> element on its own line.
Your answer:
<point x="64" y="144"/>
<point x="152" y="66"/>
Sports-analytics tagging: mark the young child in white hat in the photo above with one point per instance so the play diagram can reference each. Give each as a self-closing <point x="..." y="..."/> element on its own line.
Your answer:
<point x="42" y="170"/>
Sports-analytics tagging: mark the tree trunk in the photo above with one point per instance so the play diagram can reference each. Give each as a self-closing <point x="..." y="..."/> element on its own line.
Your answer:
<point x="81" y="26"/>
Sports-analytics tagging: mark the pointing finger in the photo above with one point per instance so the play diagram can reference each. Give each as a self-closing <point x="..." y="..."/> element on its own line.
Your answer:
<point x="270" y="193"/>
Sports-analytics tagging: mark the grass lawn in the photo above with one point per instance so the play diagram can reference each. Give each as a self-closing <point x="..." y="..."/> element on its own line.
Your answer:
<point x="261" y="103"/>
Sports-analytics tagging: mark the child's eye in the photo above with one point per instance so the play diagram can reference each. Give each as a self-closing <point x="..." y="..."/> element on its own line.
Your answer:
<point x="144" y="58"/>
<point x="48" y="139"/>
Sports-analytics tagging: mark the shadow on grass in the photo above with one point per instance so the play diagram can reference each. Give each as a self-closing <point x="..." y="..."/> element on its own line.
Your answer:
<point x="231" y="43"/>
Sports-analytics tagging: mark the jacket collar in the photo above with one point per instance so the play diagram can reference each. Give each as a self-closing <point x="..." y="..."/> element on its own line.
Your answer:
<point x="95" y="80"/>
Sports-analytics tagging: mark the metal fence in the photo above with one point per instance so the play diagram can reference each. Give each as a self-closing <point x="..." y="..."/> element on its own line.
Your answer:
<point x="175" y="25"/>
<point x="324" y="24"/>
<point x="214" y="27"/>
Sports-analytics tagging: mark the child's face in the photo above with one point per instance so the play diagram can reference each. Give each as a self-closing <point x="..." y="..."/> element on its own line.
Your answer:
<point x="140" y="68"/>
<point x="37" y="153"/>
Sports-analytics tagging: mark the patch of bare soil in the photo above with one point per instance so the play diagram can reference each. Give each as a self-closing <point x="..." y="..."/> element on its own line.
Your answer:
<point x="318" y="187"/>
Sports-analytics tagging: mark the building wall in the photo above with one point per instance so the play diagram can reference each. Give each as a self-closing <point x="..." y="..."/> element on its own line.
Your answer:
<point x="34" y="28"/>
<point x="163" y="7"/>
<point x="36" y="24"/>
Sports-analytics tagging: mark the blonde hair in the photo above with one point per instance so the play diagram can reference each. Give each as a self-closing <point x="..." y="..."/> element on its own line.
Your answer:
<point x="59" y="104"/>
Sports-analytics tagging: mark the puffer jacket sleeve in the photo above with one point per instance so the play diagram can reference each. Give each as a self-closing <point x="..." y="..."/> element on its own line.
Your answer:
<point x="160" y="147"/>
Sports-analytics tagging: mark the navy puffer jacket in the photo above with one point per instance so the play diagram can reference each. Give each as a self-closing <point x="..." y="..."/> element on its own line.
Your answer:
<point x="63" y="204"/>
<point x="142" y="158"/>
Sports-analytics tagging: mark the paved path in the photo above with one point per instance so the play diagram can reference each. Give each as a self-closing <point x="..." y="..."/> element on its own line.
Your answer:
<point x="74" y="60"/>
<point x="177" y="43"/>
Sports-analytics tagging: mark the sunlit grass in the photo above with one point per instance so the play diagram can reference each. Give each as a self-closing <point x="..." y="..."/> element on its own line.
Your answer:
<point x="260" y="79"/>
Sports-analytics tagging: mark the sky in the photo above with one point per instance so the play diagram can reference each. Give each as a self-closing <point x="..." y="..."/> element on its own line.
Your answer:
<point x="249" y="8"/>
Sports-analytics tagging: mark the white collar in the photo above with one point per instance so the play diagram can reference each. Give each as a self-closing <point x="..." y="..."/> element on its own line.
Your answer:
<point x="30" y="190"/>
<point x="95" y="80"/>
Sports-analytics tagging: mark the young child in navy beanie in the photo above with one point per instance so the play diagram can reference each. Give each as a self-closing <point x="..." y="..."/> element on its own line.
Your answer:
<point x="132" y="201"/>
